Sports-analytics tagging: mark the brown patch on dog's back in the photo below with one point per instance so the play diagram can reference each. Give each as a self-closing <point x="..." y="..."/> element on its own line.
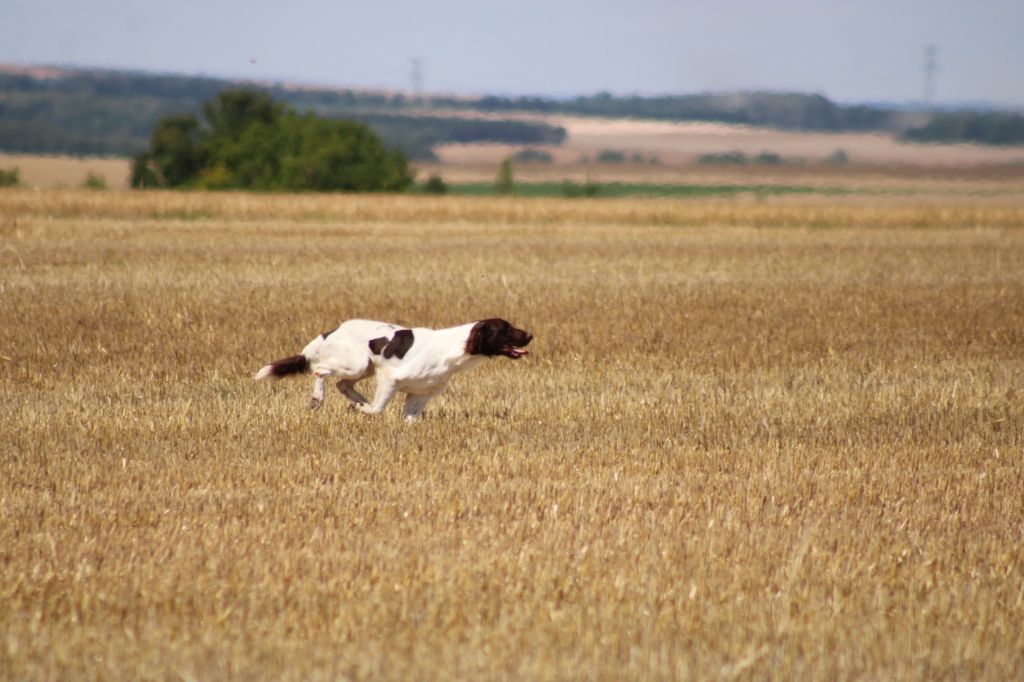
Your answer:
<point x="378" y="344"/>
<point x="400" y="344"/>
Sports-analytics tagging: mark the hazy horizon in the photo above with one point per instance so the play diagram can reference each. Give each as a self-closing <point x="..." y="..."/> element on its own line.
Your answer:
<point x="870" y="52"/>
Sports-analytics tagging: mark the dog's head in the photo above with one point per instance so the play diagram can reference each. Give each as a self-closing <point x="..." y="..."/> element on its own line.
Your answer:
<point x="497" y="337"/>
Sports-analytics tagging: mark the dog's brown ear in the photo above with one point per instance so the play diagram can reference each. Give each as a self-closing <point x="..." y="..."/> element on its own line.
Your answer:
<point x="480" y="338"/>
<point x="378" y="344"/>
<point x="486" y="337"/>
<point x="400" y="344"/>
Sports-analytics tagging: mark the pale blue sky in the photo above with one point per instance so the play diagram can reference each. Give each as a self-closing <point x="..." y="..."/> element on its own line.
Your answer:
<point x="850" y="50"/>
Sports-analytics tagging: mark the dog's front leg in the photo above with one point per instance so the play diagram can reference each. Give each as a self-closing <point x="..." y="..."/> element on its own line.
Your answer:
<point x="414" y="406"/>
<point x="386" y="388"/>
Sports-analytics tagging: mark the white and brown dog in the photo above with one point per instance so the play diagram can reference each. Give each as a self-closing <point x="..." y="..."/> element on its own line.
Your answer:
<point x="418" y="362"/>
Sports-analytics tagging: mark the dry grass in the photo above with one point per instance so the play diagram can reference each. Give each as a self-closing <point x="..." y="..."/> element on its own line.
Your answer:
<point x="753" y="441"/>
<point x="886" y="184"/>
<point x="66" y="171"/>
<point x="381" y="213"/>
<point x="677" y="141"/>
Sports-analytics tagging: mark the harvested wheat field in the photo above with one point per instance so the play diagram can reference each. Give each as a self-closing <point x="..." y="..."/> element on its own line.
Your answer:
<point x="67" y="171"/>
<point x="752" y="440"/>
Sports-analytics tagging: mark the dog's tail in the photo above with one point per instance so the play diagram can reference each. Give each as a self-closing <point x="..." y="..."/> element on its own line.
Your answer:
<point x="295" y="364"/>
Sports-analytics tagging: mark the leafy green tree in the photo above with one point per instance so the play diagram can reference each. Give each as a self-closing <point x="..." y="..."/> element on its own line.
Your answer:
<point x="177" y="150"/>
<point x="144" y="172"/>
<point x="249" y="141"/>
<point x="232" y="112"/>
<point x="327" y="154"/>
<point x="251" y="157"/>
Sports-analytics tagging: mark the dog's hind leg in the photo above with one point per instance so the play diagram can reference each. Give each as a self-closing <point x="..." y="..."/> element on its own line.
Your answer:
<point x="317" y="399"/>
<point x="348" y="389"/>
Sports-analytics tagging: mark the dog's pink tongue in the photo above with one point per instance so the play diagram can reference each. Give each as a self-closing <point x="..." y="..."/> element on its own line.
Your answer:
<point x="516" y="352"/>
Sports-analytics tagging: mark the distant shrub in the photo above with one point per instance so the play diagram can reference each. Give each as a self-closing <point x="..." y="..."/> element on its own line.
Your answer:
<point x="837" y="158"/>
<point x="530" y="155"/>
<point x="611" y="156"/>
<point x="94" y="181"/>
<point x="10" y="177"/>
<point x="573" y="190"/>
<point x="505" y="184"/>
<point x="734" y="158"/>
<point x="768" y="159"/>
<point x="435" y="185"/>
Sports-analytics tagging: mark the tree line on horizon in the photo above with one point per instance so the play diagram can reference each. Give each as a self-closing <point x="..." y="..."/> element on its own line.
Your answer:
<point x="99" y="112"/>
<point x="113" y="113"/>
<point x="987" y="127"/>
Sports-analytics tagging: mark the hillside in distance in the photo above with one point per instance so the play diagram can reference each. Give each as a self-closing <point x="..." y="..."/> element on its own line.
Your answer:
<point x="105" y="112"/>
<point x="96" y="112"/>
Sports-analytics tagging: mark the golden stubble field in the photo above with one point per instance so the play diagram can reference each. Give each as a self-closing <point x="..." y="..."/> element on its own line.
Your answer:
<point x="753" y="440"/>
<point x="36" y="170"/>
